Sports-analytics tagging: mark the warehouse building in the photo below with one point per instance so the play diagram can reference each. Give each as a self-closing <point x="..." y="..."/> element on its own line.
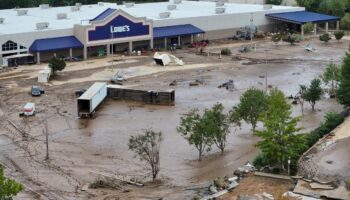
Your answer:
<point x="105" y="28"/>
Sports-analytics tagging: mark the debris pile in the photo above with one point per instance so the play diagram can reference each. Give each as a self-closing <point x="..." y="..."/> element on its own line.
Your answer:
<point x="167" y="59"/>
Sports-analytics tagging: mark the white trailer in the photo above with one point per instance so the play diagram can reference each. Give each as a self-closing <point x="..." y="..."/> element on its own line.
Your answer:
<point x="44" y="75"/>
<point x="91" y="99"/>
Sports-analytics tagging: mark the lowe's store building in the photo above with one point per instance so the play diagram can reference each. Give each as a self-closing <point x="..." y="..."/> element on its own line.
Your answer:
<point x="105" y="28"/>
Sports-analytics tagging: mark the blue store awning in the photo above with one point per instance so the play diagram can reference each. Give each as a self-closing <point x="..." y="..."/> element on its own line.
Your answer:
<point x="302" y="17"/>
<point x="178" y="30"/>
<point x="54" y="44"/>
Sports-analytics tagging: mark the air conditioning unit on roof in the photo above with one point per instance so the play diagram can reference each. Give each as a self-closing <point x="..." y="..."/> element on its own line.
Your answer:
<point x="164" y="15"/>
<point x="220" y="3"/>
<point x="220" y="10"/>
<point x="61" y="15"/>
<point x="171" y="7"/>
<point x="267" y="6"/>
<point x="100" y="3"/>
<point x="44" y="6"/>
<point x="75" y="8"/>
<point x="42" y="25"/>
<point x="129" y="4"/>
<point x="78" y="4"/>
<point x="177" y="1"/>
<point x="22" y="12"/>
<point x="2" y="20"/>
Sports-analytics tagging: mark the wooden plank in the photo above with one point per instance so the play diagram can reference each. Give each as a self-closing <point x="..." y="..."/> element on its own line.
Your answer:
<point x="276" y="176"/>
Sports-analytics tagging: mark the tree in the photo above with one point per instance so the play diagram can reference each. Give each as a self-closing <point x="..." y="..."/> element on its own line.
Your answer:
<point x="343" y="91"/>
<point x="196" y="130"/>
<point x="332" y="75"/>
<point x="252" y="103"/>
<point x="339" y="35"/>
<point x="311" y="5"/>
<point x="276" y="38"/>
<point x="313" y="93"/>
<point x="56" y="64"/>
<point x="274" y="2"/>
<point x="308" y="28"/>
<point x="219" y="125"/>
<point x="302" y="91"/>
<point x="8" y="187"/>
<point x="325" y="37"/>
<point x="278" y="139"/>
<point x="147" y="147"/>
<point x="332" y="7"/>
<point x="345" y="22"/>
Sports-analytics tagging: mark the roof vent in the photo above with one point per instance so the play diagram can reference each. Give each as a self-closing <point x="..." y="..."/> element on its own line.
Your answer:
<point x="61" y="15"/>
<point x="177" y="1"/>
<point x="78" y="4"/>
<point x="42" y="25"/>
<point x="267" y="6"/>
<point x="44" y="6"/>
<point x="129" y="4"/>
<point x="75" y="8"/>
<point x="220" y="3"/>
<point x="100" y="3"/>
<point x="171" y="7"/>
<point x="220" y="10"/>
<point x="164" y="14"/>
<point x="22" y="12"/>
<point x="2" y="20"/>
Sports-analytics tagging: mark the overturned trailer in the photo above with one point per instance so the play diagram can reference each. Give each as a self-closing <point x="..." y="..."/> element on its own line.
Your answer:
<point x="166" y="97"/>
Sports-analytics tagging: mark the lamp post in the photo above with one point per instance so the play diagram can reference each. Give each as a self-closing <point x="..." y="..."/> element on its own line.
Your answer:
<point x="46" y="130"/>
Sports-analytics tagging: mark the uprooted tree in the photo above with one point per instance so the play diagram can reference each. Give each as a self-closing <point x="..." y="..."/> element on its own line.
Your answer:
<point x="252" y="103"/>
<point x="279" y="143"/>
<point x="8" y="187"/>
<point x="147" y="147"/>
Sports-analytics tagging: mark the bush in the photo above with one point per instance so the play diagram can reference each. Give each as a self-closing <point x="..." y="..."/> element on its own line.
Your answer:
<point x="226" y="52"/>
<point x="339" y="35"/>
<point x="56" y="64"/>
<point x="308" y="28"/>
<point x="325" y="37"/>
<point x="274" y="2"/>
<point x="259" y="161"/>
<point x="292" y="38"/>
<point x="347" y="182"/>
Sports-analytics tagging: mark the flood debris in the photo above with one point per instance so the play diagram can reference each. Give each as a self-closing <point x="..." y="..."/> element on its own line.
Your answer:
<point x="196" y="83"/>
<point x="221" y="186"/>
<point x="165" y="59"/>
<point x="317" y="190"/>
<point x="173" y="83"/>
<point x="229" y="85"/>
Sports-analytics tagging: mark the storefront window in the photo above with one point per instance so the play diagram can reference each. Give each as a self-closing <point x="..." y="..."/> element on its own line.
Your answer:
<point x="9" y="46"/>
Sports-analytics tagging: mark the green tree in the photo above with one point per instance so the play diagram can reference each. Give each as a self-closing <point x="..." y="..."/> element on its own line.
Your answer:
<point x="325" y="37"/>
<point x="331" y="75"/>
<point x="8" y="187"/>
<point x="252" y="103"/>
<point x="56" y="64"/>
<point x="276" y="38"/>
<point x="311" y="5"/>
<point x="308" y="28"/>
<point x="332" y="7"/>
<point x="339" y="35"/>
<point x="313" y="93"/>
<point x="279" y="141"/>
<point x="196" y="130"/>
<point x="147" y="147"/>
<point x="345" y="22"/>
<point x="219" y="125"/>
<point x="343" y="91"/>
<point x="302" y="91"/>
<point x="274" y="2"/>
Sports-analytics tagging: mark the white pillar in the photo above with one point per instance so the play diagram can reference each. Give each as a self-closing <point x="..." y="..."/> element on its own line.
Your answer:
<point x="192" y="38"/>
<point x="38" y="58"/>
<point x="151" y="43"/>
<point x="85" y="52"/>
<point x="178" y="40"/>
<point x="337" y="25"/>
<point x="70" y="53"/>
<point x="108" y="49"/>
<point x="130" y="47"/>
<point x="55" y="55"/>
<point x="326" y="27"/>
<point x="302" y="30"/>
<point x="18" y="48"/>
<point x="165" y="44"/>
<point x="315" y="29"/>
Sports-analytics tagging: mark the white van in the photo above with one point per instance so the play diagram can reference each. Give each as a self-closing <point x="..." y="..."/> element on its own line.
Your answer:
<point x="28" y="110"/>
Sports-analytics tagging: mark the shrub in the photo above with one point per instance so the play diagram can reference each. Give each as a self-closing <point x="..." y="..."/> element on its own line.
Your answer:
<point x="259" y="161"/>
<point x="226" y="51"/>
<point x="325" y="37"/>
<point x="339" y="35"/>
<point x="56" y="64"/>
<point x="308" y="28"/>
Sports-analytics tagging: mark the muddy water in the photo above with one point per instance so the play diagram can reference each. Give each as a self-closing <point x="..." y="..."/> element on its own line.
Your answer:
<point x="107" y="135"/>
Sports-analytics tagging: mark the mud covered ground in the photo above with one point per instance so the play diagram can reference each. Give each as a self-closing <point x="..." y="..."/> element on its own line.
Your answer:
<point x="79" y="149"/>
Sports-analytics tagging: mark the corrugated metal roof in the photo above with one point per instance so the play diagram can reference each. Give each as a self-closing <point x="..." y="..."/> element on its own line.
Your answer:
<point x="104" y="14"/>
<point x="170" y="31"/>
<point x="92" y="90"/>
<point x="302" y="17"/>
<point x="58" y="43"/>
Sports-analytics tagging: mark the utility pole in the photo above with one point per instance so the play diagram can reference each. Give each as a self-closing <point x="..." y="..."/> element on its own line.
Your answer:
<point x="46" y="131"/>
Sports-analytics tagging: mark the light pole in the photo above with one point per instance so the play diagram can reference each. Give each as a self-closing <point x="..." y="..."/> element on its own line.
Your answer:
<point x="46" y="131"/>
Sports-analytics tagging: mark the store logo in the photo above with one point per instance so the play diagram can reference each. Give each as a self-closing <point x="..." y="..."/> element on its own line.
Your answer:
<point x="120" y="29"/>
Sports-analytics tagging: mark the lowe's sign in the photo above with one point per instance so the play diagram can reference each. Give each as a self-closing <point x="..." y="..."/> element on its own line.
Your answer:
<point x="118" y="27"/>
